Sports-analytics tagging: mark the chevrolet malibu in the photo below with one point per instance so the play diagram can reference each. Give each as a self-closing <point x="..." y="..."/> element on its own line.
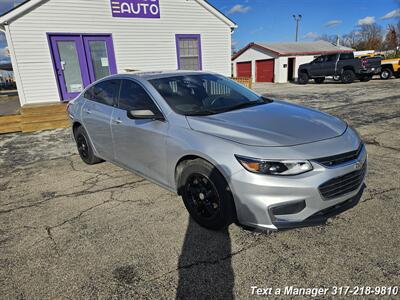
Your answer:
<point x="232" y="154"/>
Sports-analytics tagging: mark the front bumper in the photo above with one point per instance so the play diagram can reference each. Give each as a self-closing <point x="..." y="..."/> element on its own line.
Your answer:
<point x="256" y="196"/>
<point x="322" y="216"/>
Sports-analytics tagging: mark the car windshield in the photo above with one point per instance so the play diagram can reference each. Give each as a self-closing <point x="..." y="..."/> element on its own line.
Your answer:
<point x="205" y="94"/>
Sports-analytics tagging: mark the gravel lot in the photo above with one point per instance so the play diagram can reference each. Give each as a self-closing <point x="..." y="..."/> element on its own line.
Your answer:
<point x="68" y="230"/>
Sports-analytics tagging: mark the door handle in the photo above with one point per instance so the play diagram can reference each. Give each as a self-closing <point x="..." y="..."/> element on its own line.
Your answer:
<point x="117" y="121"/>
<point x="88" y="111"/>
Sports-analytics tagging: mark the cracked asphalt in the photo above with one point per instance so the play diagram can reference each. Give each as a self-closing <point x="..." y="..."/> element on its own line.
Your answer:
<point x="72" y="231"/>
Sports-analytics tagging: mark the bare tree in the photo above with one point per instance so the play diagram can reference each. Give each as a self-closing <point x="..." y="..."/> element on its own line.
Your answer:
<point x="398" y="28"/>
<point x="331" y="38"/>
<point x="370" y="37"/>
<point x="391" y="40"/>
<point x="352" y="39"/>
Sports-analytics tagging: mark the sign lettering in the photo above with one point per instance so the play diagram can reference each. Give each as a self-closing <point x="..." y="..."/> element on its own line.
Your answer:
<point x="135" y="9"/>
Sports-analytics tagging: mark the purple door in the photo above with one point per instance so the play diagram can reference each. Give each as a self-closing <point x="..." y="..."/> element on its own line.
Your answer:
<point x="70" y="65"/>
<point x="100" y="54"/>
<point x="80" y="60"/>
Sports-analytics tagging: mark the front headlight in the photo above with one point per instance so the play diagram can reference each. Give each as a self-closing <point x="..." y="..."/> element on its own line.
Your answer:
<point x="274" y="167"/>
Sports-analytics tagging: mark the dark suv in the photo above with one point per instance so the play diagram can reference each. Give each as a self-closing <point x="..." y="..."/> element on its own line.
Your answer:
<point x="339" y="64"/>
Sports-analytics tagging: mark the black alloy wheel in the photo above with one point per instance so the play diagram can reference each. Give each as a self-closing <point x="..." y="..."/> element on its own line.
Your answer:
<point x="203" y="196"/>
<point x="303" y="78"/>
<point x="348" y="76"/>
<point x="85" y="149"/>
<point x="206" y="194"/>
<point x="82" y="145"/>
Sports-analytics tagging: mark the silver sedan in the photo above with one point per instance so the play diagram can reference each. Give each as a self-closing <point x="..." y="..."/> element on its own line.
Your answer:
<point x="233" y="155"/>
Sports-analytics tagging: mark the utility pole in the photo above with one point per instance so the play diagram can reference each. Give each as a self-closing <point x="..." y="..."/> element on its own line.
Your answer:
<point x="297" y="19"/>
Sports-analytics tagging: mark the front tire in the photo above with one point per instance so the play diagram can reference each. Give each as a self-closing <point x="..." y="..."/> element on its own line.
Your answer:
<point x="303" y="78"/>
<point x="386" y="74"/>
<point x="348" y="76"/>
<point x="85" y="149"/>
<point x="206" y="195"/>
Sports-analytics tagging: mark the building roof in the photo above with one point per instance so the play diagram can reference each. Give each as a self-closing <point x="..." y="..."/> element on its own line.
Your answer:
<point x="296" y="48"/>
<point x="28" y="5"/>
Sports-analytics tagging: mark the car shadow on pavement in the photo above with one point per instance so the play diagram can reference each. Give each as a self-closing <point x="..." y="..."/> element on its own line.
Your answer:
<point x="205" y="270"/>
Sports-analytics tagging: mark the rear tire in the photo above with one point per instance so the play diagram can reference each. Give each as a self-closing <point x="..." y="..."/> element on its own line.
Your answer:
<point x="85" y="149"/>
<point x="303" y="78"/>
<point x="386" y="74"/>
<point x="348" y="76"/>
<point x="365" y="78"/>
<point x="319" y="80"/>
<point x="206" y="195"/>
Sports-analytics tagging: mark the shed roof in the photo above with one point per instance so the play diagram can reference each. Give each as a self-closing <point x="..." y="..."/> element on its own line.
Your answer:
<point x="296" y="48"/>
<point x="28" y="5"/>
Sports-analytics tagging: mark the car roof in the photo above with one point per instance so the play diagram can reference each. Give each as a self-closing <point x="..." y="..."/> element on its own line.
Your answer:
<point x="149" y="75"/>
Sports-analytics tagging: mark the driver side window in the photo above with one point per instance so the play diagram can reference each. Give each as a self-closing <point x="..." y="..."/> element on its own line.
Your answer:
<point x="134" y="97"/>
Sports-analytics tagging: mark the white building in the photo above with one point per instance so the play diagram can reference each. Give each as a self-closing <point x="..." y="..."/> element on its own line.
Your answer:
<point x="278" y="62"/>
<point x="58" y="47"/>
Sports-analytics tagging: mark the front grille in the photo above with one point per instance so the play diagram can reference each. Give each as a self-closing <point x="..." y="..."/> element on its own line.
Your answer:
<point x="334" y="160"/>
<point x="342" y="185"/>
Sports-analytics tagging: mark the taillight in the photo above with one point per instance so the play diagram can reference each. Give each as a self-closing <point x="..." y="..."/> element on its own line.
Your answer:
<point x="364" y="62"/>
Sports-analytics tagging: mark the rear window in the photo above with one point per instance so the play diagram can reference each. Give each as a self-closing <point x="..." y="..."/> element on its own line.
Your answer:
<point x="331" y="57"/>
<point x="104" y="92"/>
<point x="346" y="56"/>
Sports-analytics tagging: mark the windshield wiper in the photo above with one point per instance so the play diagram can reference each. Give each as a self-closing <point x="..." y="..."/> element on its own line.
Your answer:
<point x="201" y="113"/>
<point x="207" y="112"/>
<point x="245" y="104"/>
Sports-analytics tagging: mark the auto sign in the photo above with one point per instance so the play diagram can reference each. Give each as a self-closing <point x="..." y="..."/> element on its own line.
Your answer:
<point x="135" y="9"/>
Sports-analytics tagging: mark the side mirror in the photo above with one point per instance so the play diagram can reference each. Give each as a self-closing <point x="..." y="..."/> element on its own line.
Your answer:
<point x="144" y="114"/>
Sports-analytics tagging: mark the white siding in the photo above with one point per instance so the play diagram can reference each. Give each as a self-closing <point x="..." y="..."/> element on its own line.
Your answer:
<point x="142" y="44"/>
<point x="280" y="75"/>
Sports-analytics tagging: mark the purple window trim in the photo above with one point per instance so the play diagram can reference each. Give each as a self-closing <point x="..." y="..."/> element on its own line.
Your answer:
<point x="81" y="54"/>
<point x="188" y="36"/>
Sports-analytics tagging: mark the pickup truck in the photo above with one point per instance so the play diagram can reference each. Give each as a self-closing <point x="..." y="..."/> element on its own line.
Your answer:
<point x="389" y="67"/>
<point x="339" y="64"/>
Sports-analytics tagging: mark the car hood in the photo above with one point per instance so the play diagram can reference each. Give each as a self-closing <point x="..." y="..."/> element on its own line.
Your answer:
<point x="270" y="125"/>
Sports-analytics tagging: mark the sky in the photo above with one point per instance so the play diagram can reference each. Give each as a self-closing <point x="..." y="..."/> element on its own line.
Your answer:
<point x="272" y="20"/>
